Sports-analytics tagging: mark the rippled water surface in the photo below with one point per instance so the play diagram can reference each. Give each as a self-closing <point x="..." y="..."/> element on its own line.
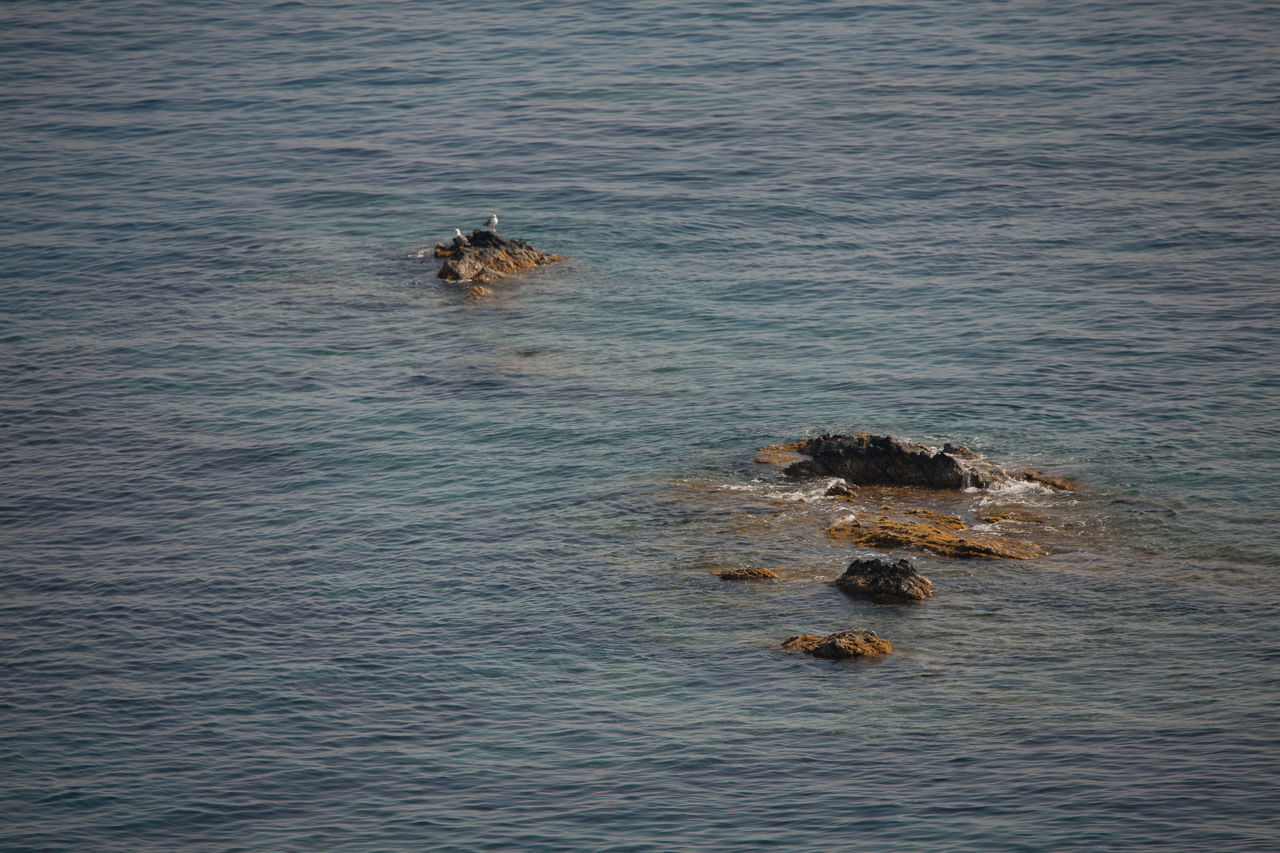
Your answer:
<point x="303" y="551"/>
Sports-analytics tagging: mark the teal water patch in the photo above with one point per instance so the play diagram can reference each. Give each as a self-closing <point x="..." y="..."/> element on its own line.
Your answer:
<point x="305" y="551"/>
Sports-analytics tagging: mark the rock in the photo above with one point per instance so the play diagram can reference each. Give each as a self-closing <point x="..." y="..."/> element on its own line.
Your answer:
<point x="843" y="491"/>
<point x="1013" y="515"/>
<point x="885" y="532"/>
<point x="748" y="574"/>
<point x="779" y="454"/>
<point x="487" y="257"/>
<point x="849" y="643"/>
<point x="882" y="460"/>
<point x="1058" y="484"/>
<point x="881" y="580"/>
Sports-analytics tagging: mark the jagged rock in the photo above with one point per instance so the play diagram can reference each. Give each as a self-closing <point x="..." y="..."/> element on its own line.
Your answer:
<point x="849" y="643"/>
<point x="882" y="460"/>
<point x="748" y="574"/>
<point x="487" y="257"/>
<point x="883" y="581"/>
<point x="885" y="532"/>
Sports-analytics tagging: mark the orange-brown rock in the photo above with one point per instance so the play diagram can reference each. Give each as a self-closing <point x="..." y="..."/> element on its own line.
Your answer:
<point x="486" y="257"/>
<point x="941" y="519"/>
<point x="849" y="643"/>
<point x="747" y="574"/>
<point x="779" y="454"/>
<point x="1013" y="515"/>
<point x="885" y="532"/>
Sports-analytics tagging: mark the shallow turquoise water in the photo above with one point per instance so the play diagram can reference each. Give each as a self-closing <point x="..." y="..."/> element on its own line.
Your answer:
<point x="304" y="552"/>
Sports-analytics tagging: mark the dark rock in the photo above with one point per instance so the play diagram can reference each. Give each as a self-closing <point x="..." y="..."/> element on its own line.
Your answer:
<point x="881" y="580"/>
<point x="486" y="257"/>
<point x="842" y="490"/>
<point x="882" y="460"/>
<point x="849" y="643"/>
<point x="748" y="574"/>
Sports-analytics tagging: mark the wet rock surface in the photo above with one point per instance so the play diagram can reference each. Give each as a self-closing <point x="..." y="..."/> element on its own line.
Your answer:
<point x="747" y="574"/>
<point x="849" y="643"/>
<point x="881" y="460"/>
<point x="937" y="537"/>
<point x="485" y="256"/>
<point x="884" y="581"/>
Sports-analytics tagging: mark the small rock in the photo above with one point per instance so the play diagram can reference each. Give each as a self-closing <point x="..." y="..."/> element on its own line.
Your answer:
<point x="881" y="580"/>
<point x="843" y="491"/>
<point x="849" y="643"/>
<point x="748" y="574"/>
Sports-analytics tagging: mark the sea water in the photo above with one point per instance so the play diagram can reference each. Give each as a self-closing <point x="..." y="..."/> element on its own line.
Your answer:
<point x="305" y="551"/>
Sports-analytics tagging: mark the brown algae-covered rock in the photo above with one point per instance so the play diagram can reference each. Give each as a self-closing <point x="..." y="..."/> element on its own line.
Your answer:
<point x="849" y="643"/>
<point x="884" y="532"/>
<point x="780" y="454"/>
<point x="747" y="574"/>
<point x="884" y="581"/>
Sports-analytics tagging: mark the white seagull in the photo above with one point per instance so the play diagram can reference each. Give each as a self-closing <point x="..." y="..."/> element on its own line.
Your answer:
<point x="458" y="239"/>
<point x="492" y="222"/>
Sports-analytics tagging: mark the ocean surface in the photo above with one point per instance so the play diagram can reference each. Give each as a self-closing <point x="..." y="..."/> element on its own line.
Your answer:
<point x="300" y="550"/>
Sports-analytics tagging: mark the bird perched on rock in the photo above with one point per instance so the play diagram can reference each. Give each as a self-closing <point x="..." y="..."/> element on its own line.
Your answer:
<point x="492" y="222"/>
<point x="459" y="240"/>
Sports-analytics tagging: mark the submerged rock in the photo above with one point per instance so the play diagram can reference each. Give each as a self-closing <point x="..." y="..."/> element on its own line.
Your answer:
<point x="485" y="257"/>
<point x="1058" y="484"/>
<point x="1018" y="515"/>
<point x="883" y="581"/>
<point x="747" y="574"/>
<point x="936" y="537"/>
<point x="882" y="460"/>
<point x="780" y="454"/>
<point x="849" y="643"/>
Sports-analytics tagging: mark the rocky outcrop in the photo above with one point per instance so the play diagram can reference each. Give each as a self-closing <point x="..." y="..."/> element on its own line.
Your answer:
<point x="849" y="643"/>
<point x="882" y="460"/>
<point x="883" y="581"/>
<point x="747" y="574"/>
<point x="935" y="536"/>
<point x="485" y="257"/>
